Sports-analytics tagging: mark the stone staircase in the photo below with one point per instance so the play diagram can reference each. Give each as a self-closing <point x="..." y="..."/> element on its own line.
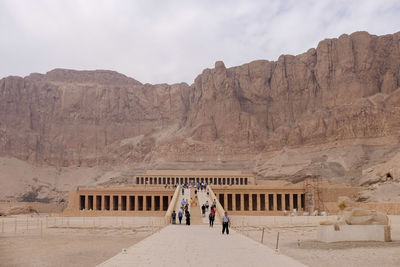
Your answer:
<point x="195" y="210"/>
<point x="202" y="195"/>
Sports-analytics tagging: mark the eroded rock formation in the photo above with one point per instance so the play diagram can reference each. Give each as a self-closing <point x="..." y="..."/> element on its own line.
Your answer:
<point x="347" y="88"/>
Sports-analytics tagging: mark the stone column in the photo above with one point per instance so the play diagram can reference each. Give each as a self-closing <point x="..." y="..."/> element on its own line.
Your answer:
<point x="119" y="202"/>
<point x="86" y="202"/>
<point x="241" y="202"/>
<point x="299" y="202"/>
<point x="111" y="202"/>
<point x="233" y="202"/>
<point x="291" y="201"/>
<point x="144" y="203"/>
<point x="266" y="201"/>
<point x="275" y="201"/>
<point x="226" y="201"/>
<point x="136" y="203"/>
<point x="128" y="202"/>
<point x="153" y="204"/>
<point x="103" y="200"/>
<point x="258" y="202"/>
<point x="250" y="201"/>
<point x="283" y="201"/>
<point x="95" y="202"/>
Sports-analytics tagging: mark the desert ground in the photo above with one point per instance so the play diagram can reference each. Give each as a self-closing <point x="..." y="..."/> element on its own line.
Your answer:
<point x="46" y="240"/>
<point x="50" y="240"/>
<point x="297" y="239"/>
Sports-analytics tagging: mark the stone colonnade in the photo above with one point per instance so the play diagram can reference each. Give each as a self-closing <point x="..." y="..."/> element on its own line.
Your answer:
<point x="192" y="179"/>
<point x="261" y="201"/>
<point x="125" y="202"/>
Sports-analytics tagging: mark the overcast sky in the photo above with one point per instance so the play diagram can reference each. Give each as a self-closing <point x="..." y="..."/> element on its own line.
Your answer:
<point x="173" y="41"/>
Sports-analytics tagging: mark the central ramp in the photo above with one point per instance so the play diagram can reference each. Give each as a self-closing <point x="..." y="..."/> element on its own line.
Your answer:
<point x="199" y="245"/>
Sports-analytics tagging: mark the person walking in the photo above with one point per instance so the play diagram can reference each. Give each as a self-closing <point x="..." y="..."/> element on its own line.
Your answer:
<point x="203" y="210"/>
<point x="207" y="205"/>
<point x="211" y="218"/>
<point x="173" y="216"/>
<point x="183" y="202"/>
<point x="213" y="210"/>
<point x="187" y="215"/>
<point x="180" y="215"/>
<point x="225" y="223"/>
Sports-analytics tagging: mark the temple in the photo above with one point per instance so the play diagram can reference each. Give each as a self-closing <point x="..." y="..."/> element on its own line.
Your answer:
<point x="237" y="192"/>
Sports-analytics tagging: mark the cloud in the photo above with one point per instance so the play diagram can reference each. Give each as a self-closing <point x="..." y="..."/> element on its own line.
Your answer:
<point x="173" y="41"/>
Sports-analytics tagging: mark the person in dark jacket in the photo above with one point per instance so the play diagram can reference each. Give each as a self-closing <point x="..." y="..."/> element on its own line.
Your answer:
<point x="187" y="215"/>
<point x="211" y="219"/>
<point x="173" y="216"/>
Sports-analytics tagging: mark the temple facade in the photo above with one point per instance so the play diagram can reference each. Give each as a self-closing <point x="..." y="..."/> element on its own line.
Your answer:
<point x="190" y="177"/>
<point x="238" y="193"/>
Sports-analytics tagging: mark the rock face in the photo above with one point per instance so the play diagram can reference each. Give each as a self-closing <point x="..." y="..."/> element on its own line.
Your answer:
<point x="346" y="88"/>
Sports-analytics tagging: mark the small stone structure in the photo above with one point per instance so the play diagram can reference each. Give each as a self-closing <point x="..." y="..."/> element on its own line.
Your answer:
<point x="355" y="224"/>
<point x="327" y="233"/>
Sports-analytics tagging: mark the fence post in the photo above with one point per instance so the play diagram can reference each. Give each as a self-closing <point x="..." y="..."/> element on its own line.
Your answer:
<point x="277" y="243"/>
<point x="262" y="237"/>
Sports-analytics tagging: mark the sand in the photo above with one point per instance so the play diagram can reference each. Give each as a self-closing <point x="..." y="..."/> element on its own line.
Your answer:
<point x="74" y="241"/>
<point x="298" y="240"/>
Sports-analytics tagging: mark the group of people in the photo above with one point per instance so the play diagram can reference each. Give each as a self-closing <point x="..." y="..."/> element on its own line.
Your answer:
<point x="184" y="209"/>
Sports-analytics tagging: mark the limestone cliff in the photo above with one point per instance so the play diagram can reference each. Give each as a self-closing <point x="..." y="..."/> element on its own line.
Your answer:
<point x="347" y="88"/>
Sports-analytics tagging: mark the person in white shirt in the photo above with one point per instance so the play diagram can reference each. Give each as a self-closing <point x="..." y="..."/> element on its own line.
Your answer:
<point x="225" y="223"/>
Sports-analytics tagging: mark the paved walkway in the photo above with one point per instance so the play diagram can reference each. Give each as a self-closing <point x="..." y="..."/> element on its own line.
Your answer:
<point x="199" y="245"/>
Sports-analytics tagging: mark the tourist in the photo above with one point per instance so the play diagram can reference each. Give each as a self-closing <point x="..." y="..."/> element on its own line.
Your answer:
<point x="180" y="215"/>
<point x="211" y="218"/>
<point x="214" y="204"/>
<point x="183" y="191"/>
<point x="225" y="223"/>
<point x="203" y="210"/>
<point x="195" y="191"/>
<point x="213" y="211"/>
<point x="173" y="216"/>
<point x="191" y="202"/>
<point x="207" y="205"/>
<point x="196" y="200"/>
<point x="208" y="192"/>
<point x="187" y="215"/>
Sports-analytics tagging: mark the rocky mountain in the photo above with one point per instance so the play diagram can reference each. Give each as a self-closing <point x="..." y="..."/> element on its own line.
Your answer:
<point x="345" y="90"/>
